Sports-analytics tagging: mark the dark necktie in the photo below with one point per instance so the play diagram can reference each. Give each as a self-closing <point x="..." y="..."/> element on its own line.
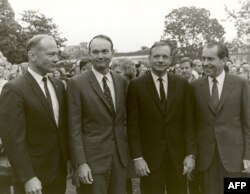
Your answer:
<point x="107" y="94"/>
<point x="215" y="93"/>
<point x="162" y="91"/>
<point x="47" y="94"/>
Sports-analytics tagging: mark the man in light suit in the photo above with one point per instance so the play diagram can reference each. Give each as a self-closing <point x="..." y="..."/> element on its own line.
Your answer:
<point x="159" y="122"/>
<point x="33" y="122"/>
<point x="98" y="139"/>
<point x="222" y="115"/>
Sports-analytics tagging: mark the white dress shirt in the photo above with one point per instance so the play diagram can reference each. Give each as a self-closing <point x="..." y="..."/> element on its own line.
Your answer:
<point x="157" y="83"/>
<point x="52" y="92"/>
<point x="220" y="81"/>
<point x="110" y="83"/>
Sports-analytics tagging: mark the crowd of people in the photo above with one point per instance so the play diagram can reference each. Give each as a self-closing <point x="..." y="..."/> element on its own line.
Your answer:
<point x="180" y="128"/>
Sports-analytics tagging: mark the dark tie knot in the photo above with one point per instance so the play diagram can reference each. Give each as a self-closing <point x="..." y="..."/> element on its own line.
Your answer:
<point x="160" y="79"/>
<point x="44" y="79"/>
<point x="215" y="81"/>
<point x="104" y="79"/>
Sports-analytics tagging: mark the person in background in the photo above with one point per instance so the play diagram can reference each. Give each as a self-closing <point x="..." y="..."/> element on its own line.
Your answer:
<point x="186" y="65"/>
<point x="198" y="67"/>
<point x="85" y="65"/>
<point x="124" y="67"/>
<point x="177" y="70"/>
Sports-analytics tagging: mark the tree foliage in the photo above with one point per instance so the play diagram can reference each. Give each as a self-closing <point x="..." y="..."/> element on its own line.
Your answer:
<point x="9" y="32"/>
<point x="241" y="18"/>
<point x="34" y="22"/>
<point x="191" y="27"/>
<point x="14" y="34"/>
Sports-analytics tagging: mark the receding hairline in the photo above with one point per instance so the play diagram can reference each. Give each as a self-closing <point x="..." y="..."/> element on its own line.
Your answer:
<point x="34" y="41"/>
<point x="103" y="37"/>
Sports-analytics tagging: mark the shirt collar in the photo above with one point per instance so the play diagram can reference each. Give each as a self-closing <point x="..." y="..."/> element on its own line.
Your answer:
<point x="155" y="77"/>
<point x="220" y="78"/>
<point x="35" y="75"/>
<point x="99" y="76"/>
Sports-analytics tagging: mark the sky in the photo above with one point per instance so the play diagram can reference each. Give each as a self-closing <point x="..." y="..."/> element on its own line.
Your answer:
<point x="131" y="24"/>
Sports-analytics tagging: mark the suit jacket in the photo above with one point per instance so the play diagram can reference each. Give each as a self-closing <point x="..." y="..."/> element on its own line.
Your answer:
<point x="34" y="143"/>
<point x="226" y="127"/>
<point x="93" y="127"/>
<point x="153" y="130"/>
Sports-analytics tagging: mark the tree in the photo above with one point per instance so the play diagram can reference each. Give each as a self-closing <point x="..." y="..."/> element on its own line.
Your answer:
<point x="9" y="33"/>
<point x="34" y="22"/>
<point x="241" y="18"/>
<point x="191" y="27"/>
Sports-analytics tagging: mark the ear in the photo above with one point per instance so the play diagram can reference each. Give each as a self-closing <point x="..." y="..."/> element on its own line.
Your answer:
<point x="224" y="60"/>
<point x="32" y="56"/>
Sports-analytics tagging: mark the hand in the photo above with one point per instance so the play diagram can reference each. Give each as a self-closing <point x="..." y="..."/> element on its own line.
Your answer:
<point x="189" y="165"/>
<point x="33" y="186"/>
<point x="141" y="167"/>
<point x="246" y="165"/>
<point x="84" y="174"/>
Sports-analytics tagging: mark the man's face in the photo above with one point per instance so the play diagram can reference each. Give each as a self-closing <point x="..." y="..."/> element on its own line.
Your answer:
<point x="212" y="64"/>
<point x="186" y="70"/>
<point x="160" y="59"/>
<point x="45" y="56"/>
<point x="198" y="66"/>
<point x="101" y="54"/>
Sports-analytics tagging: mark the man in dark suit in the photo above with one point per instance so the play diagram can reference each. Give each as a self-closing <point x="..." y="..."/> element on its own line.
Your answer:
<point x="32" y="122"/>
<point x="222" y="115"/>
<point x="98" y="139"/>
<point x="159" y="123"/>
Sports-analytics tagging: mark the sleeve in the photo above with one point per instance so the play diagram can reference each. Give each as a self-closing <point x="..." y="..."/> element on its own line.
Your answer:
<point x="13" y="132"/>
<point x="190" y="137"/>
<point x="246" y="118"/>
<point x="133" y="129"/>
<point x="75" y="124"/>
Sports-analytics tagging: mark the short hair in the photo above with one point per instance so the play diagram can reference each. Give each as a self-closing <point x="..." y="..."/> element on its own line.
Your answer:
<point x="101" y="36"/>
<point x="127" y="65"/>
<point x="222" y="49"/>
<point x="244" y="63"/>
<point x="158" y="44"/>
<point x="34" y="41"/>
<point x="186" y="59"/>
<point x="84" y="62"/>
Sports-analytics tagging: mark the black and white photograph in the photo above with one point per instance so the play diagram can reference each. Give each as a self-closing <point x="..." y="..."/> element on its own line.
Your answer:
<point x="124" y="96"/>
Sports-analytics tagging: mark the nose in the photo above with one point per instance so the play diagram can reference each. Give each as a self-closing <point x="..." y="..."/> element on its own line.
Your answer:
<point x="100" y="55"/>
<point x="55" y="58"/>
<point x="205" y="62"/>
<point x="160" y="59"/>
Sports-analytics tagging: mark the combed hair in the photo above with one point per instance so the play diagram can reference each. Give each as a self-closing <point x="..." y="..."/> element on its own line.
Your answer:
<point x="187" y="59"/>
<point x="101" y="36"/>
<point x="222" y="49"/>
<point x="34" y="41"/>
<point x="161" y="43"/>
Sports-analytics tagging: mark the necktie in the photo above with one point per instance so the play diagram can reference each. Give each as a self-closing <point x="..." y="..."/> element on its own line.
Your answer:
<point x="215" y="93"/>
<point x="47" y="94"/>
<point x="107" y="94"/>
<point x="162" y="91"/>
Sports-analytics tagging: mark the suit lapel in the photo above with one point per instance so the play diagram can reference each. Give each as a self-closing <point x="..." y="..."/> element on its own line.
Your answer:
<point x="227" y="88"/>
<point x="96" y="87"/>
<point x="170" y="92"/>
<point x="153" y="92"/>
<point x="118" y="91"/>
<point x="206" y="92"/>
<point x="59" y="97"/>
<point x="40" y="95"/>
